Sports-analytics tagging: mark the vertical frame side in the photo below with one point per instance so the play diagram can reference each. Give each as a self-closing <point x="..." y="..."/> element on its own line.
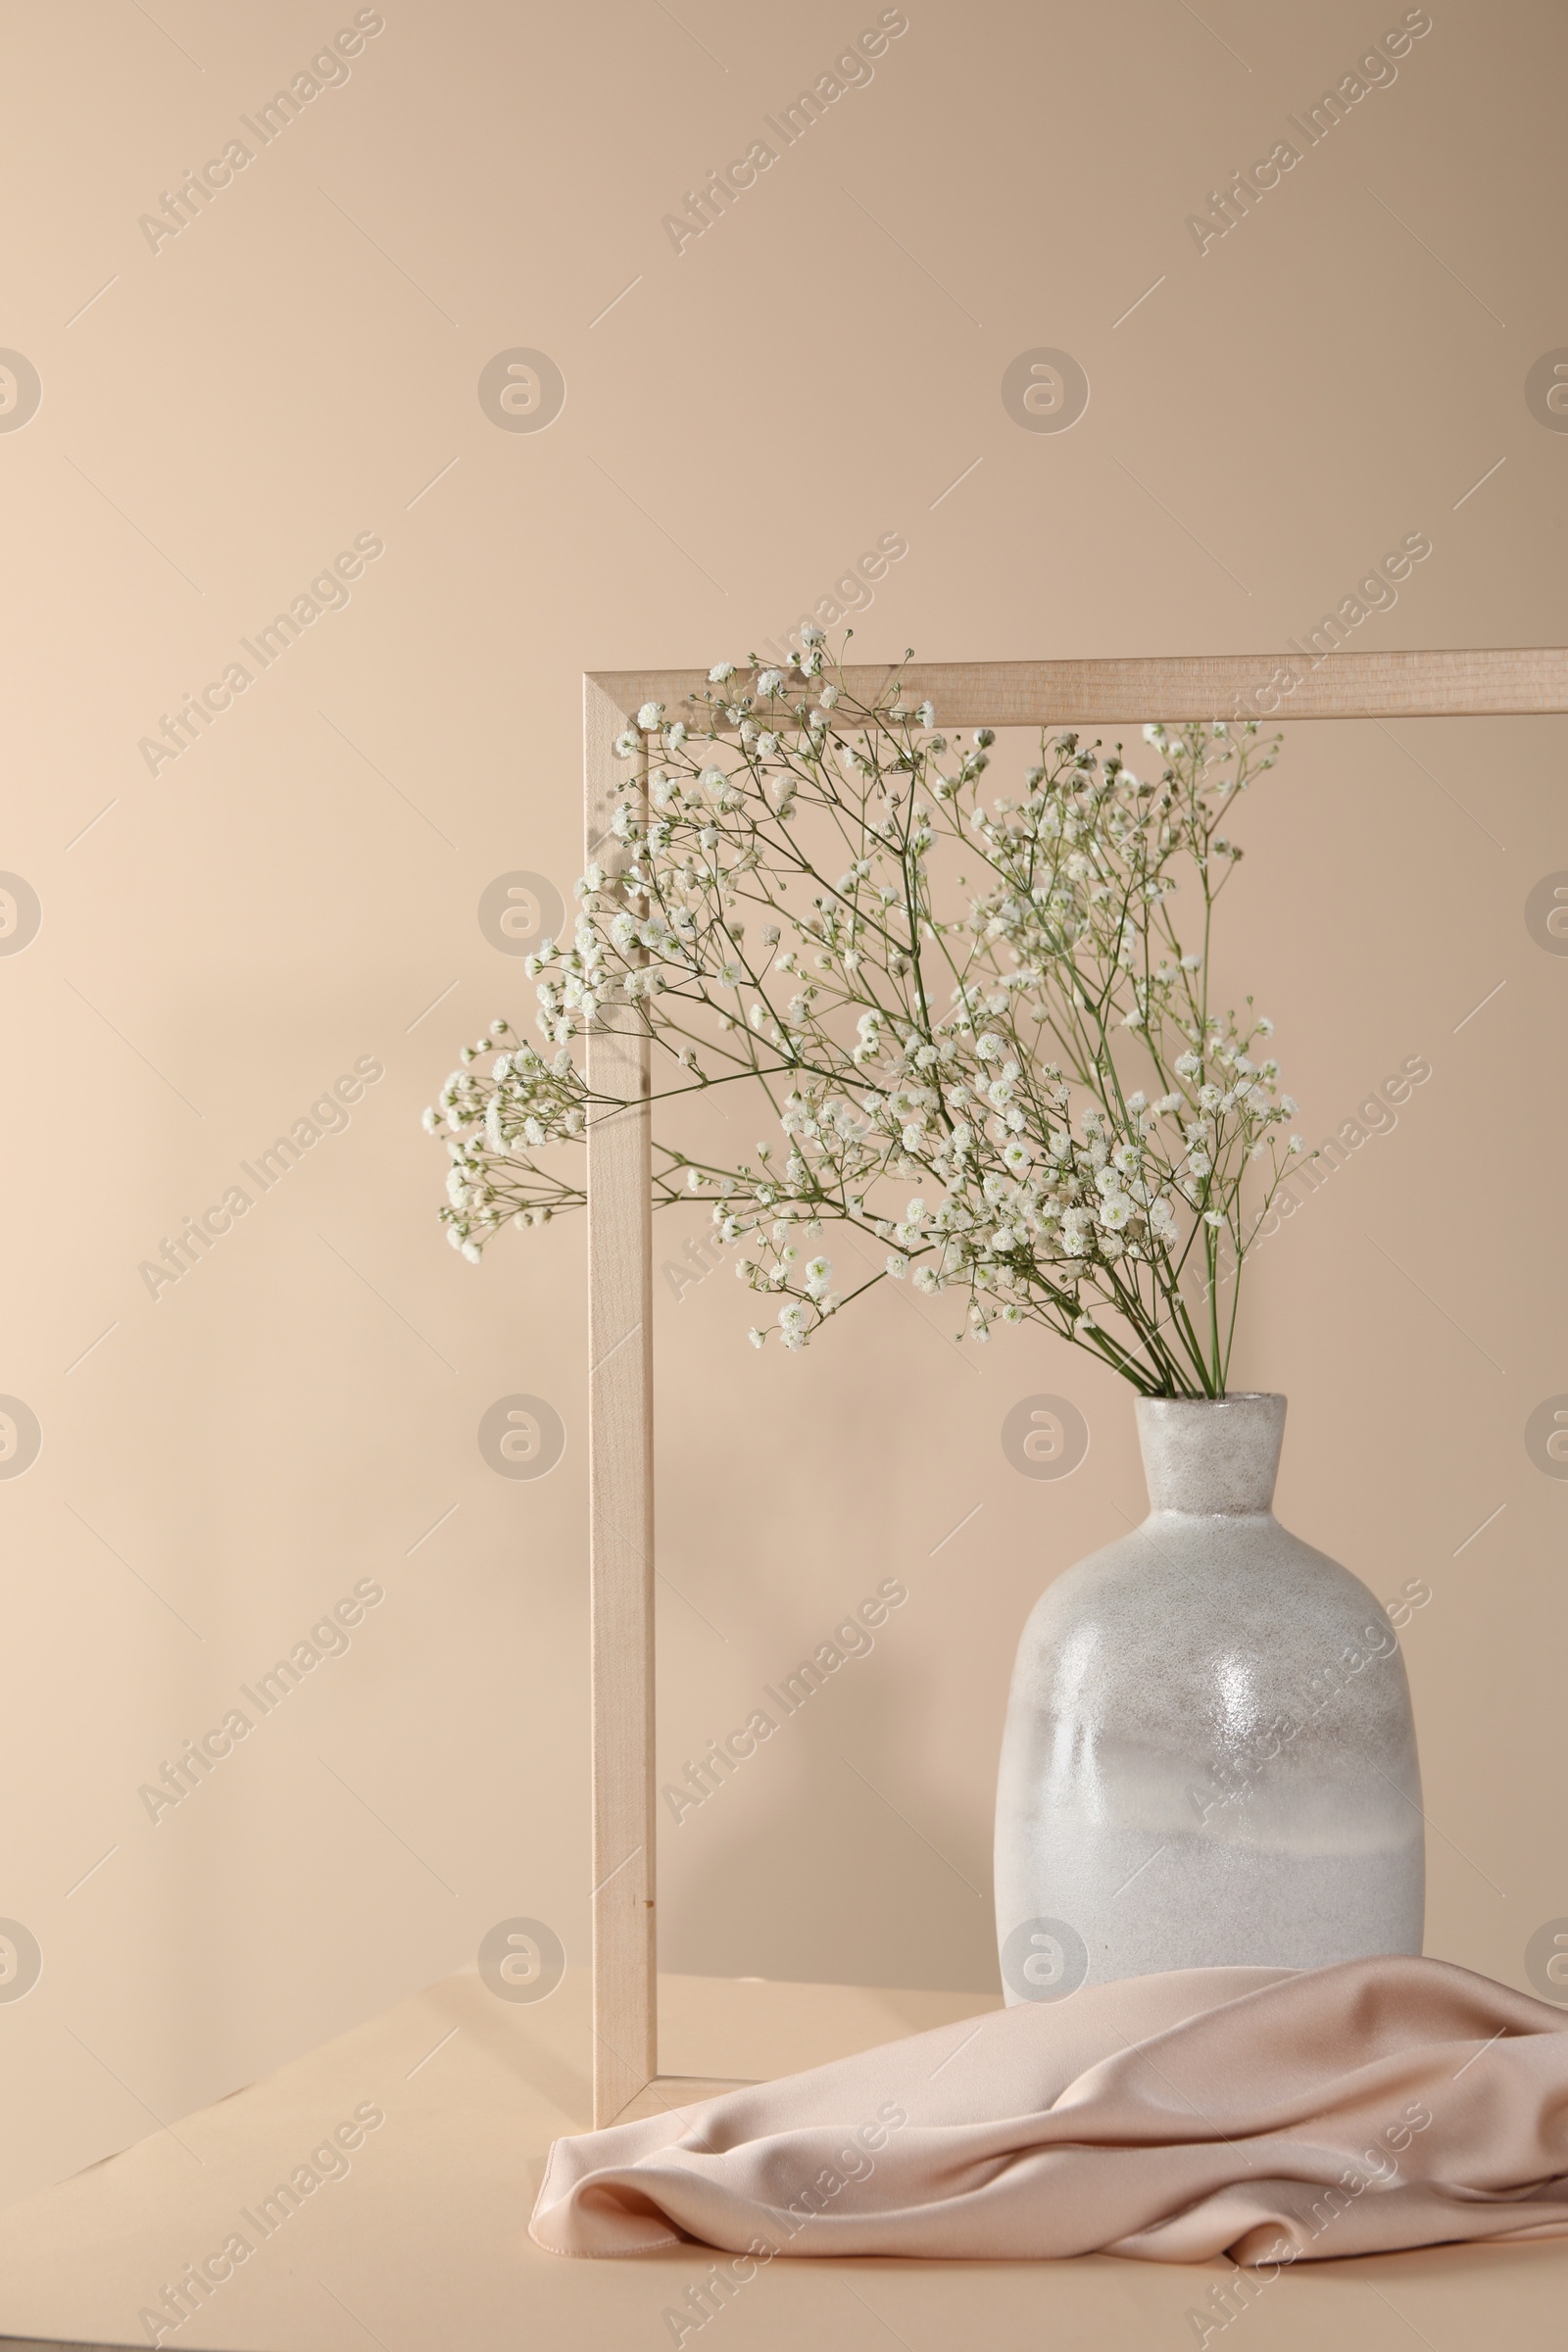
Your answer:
<point x="620" y="1508"/>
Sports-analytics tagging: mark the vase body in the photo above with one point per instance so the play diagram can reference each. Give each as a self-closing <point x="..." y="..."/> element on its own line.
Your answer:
<point x="1210" y="1758"/>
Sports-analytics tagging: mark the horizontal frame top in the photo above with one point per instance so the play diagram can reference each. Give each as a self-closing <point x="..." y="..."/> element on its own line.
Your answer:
<point x="1505" y="682"/>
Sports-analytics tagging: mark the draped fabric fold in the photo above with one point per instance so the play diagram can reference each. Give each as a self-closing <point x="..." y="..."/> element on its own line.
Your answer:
<point x="1261" y="2113"/>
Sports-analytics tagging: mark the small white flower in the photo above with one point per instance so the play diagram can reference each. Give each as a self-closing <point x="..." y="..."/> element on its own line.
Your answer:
<point x="898" y="1265"/>
<point x="755" y="1335"/>
<point x="1114" y="1211"/>
<point x="720" y="672"/>
<point x="651" y="715"/>
<point x="812" y="635"/>
<point x="829" y="697"/>
<point x="769" y="681"/>
<point x="1017" y="1156"/>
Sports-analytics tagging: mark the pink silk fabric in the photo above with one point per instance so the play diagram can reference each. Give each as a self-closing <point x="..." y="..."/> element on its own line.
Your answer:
<point x="1262" y="2113"/>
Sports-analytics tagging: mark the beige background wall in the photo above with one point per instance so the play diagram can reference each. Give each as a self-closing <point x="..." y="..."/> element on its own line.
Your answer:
<point x="221" y="939"/>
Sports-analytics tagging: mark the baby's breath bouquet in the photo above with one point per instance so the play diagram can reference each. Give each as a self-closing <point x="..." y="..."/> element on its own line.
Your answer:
<point x="985" y="1033"/>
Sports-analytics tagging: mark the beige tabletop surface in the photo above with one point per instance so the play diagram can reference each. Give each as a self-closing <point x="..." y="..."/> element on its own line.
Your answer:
<point x="421" y="2242"/>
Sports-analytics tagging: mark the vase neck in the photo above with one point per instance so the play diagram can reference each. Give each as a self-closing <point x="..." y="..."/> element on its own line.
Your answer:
<point x="1204" y="1455"/>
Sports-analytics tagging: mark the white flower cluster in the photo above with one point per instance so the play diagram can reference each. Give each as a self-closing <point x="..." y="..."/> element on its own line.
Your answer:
<point x="494" y="1120"/>
<point x="782" y="909"/>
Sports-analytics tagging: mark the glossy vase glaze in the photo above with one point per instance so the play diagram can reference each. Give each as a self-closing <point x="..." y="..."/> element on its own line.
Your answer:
<point x="1209" y="1757"/>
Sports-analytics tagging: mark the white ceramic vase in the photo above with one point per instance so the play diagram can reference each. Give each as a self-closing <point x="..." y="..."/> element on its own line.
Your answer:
<point x="1209" y="1757"/>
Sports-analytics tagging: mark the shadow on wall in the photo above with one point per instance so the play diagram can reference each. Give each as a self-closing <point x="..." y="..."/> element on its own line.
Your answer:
<point x="823" y="1805"/>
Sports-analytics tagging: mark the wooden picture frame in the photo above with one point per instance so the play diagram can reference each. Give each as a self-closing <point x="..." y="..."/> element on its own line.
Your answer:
<point x="1497" y="683"/>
